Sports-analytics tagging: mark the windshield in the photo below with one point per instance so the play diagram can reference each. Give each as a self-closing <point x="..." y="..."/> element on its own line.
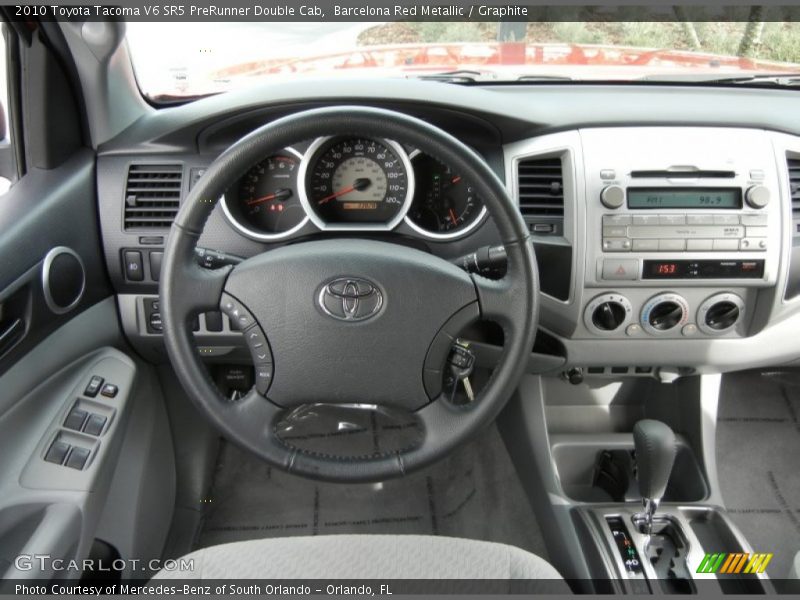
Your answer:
<point x="184" y="60"/>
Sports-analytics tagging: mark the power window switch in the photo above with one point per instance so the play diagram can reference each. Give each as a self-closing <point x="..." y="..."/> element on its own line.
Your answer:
<point x="77" y="458"/>
<point x="57" y="452"/>
<point x="94" y="425"/>
<point x="109" y="390"/>
<point x="95" y="383"/>
<point x="75" y="419"/>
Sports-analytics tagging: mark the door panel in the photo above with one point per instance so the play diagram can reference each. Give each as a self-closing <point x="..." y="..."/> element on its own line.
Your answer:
<point x="45" y="210"/>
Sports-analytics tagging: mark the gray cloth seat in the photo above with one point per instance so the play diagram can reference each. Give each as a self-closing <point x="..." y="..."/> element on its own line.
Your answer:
<point x="366" y="557"/>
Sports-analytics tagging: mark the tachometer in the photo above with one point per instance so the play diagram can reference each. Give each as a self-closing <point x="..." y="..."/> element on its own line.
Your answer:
<point x="266" y="204"/>
<point x="356" y="183"/>
<point x="445" y="204"/>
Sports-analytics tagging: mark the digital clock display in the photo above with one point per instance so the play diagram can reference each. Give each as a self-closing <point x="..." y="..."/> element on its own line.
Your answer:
<point x="666" y="269"/>
<point x="684" y="198"/>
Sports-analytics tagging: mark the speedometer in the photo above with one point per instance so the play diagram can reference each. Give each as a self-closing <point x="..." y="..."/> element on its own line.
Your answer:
<point x="356" y="183"/>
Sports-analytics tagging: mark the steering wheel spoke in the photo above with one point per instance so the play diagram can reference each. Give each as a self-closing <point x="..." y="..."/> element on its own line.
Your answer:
<point x="186" y="287"/>
<point x="494" y="298"/>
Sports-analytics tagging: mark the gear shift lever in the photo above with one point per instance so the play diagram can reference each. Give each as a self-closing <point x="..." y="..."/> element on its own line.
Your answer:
<point x="655" y="454"/>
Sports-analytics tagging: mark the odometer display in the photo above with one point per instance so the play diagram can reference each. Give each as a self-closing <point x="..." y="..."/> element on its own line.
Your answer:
<point x="357" y="182"/>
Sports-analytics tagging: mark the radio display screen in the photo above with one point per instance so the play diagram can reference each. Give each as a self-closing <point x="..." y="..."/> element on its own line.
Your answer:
<point x="684" y="198"/>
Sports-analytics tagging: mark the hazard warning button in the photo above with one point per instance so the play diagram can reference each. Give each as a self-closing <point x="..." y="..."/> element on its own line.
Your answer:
<point x="618" y="269"/>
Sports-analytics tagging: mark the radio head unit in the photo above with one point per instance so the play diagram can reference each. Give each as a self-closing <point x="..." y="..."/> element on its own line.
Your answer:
<point x="698" y="207"/>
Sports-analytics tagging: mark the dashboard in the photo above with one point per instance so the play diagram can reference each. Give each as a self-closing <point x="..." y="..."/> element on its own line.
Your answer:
<point x="666" y="221"/>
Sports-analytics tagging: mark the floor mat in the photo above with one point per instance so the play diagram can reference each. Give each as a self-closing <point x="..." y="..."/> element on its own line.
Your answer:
<point x="474" y="493"/>
<point x="758" y="446"/>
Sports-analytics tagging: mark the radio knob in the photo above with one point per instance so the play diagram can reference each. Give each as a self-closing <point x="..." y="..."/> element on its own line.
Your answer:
<point x="613" y="196"/>
<point x="757" y="196"/>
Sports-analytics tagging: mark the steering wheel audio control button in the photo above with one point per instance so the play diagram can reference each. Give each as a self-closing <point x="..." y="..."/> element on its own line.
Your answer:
<point x="240" y="317"/>
<point x="258" y="345"/>
<point x="263" y="377"/>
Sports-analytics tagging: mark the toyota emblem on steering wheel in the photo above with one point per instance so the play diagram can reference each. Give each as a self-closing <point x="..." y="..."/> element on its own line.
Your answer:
<point x="350" y="299"/>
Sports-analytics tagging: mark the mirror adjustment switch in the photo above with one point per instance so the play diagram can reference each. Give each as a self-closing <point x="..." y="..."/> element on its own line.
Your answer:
<point x="95" y="383"/>
<point x="109" y="390"/>
<point x="77" y="458"/>
<point x="57" y="452"/>
<point x="94" y="425"/>
<point x="75" y="419"/>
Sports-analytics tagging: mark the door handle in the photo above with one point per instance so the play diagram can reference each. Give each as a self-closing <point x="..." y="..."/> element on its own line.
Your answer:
<point x="10" y="334"/>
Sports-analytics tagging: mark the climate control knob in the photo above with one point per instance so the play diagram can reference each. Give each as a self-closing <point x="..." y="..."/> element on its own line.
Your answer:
<point x="720" y="313"/>
<point x="757" y="196"/>
<point x="612" y="196"/>
<point x="664" y="313"/>
<point x="608" y="316"/>
<point x="607" y="313"/>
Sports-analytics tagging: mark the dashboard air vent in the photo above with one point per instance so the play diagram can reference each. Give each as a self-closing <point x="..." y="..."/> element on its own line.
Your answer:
<point x="794" y="184"/>
<point x="152" y="196"/>
<point x="541" y="193"/>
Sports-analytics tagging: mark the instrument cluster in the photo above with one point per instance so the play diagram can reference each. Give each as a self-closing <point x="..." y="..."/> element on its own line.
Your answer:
<point x="352" y="184"/>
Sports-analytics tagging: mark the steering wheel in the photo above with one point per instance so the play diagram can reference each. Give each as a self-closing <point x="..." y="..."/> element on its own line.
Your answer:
<point x="298" y="301"/>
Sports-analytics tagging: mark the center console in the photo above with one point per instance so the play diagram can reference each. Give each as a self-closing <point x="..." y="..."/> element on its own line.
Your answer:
<point x="594" y="481"/>
<point x="680" y="241"/>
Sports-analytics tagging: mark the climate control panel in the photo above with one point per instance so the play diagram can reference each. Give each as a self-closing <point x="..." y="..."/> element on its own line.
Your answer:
<point x="665" y="314"/>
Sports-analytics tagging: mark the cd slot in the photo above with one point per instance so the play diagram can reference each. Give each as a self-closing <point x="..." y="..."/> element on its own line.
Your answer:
<point x="688" y="174"/>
